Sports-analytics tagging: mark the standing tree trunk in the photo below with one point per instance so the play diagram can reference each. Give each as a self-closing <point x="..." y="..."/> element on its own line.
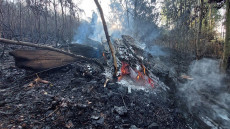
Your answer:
<point x="127" y="11"/>
<point x="63" y="20"/>
<point x="210" y="17"/>
<point x="135" y="18"/>
<point x="46" y="20"/>
<point x="226" y="55"/>
<point x="55" y="18"/>
<point x="107" y="37"/>
<point x="20" y="18"/>
<point x="1" y="19"/>
<point x="198" y="54"/>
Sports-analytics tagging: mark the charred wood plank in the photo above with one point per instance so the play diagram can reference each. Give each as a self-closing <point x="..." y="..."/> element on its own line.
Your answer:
<point x="84" y="50"/>
<point x="40" y="59"/>
<point x="77" y="57"/>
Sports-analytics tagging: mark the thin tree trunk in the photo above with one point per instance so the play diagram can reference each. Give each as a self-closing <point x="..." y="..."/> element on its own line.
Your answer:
<point x="46" y="20"/>
<point x="135" y="18"/>
<point x="8" y="20"/>
<point x="55" y="18"/>
<point x="226" y="54"/>
<point x="1" y="19"/>
<point x="210" y="17"/>
<point x="107" y="37"/>
<point x="198" y="54"/>
<point x="63" y="20"/>
<point x="39" y="26"/>
<point x="127" y="11"/>
<point x="20" y="20"/>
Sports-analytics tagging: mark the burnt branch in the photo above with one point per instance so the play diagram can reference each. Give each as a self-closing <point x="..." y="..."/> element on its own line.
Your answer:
<point x="107" y="37"/>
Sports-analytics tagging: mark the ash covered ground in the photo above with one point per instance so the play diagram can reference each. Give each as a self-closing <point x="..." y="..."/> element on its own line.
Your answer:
<point x="77" y="100"/>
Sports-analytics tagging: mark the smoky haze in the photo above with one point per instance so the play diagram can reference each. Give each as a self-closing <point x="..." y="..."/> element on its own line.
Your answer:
<point x="206" y="95"/>
<point x="119" y="23"/>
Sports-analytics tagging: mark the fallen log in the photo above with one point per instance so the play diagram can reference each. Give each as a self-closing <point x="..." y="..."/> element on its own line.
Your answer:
<point x="40" y="59"/>
<point x="48" y="58"/>
<point x="84" y="50"/>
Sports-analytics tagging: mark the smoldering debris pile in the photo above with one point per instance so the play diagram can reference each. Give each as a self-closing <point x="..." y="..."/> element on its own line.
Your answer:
<point x="76" y="96"/>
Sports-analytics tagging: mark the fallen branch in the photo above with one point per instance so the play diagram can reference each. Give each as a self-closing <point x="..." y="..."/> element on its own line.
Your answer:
<point x="107" y="37"/>
<point x="77" y="57"/>
<point x="37" y="81"/>
<point x="57" y="108"/>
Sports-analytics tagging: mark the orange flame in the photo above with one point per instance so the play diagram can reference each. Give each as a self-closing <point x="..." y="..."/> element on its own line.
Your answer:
<point x="103" y="54"/>
<point x="143" y="69"/>
<point x="138" y="77"/>
<point x="124" y="70"/>
<point x="141" y="76"/>
<point x="119" y="78"/>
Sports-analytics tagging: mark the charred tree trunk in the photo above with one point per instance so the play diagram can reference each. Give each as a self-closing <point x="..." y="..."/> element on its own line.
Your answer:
<point x="107" y="37"/>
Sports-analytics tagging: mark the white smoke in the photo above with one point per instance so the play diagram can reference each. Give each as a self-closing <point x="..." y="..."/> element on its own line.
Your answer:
<point x="206" y="95"/>
<point x="118" y="23"/>
<point x="93" y="29"/>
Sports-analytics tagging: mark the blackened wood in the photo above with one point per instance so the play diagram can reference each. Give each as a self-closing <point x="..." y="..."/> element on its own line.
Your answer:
<point x="77" y="57"/>
<point x="40" y="59"/>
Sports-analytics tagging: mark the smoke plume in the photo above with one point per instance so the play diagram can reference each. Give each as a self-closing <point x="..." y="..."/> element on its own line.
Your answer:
<point x="206" y="95"/>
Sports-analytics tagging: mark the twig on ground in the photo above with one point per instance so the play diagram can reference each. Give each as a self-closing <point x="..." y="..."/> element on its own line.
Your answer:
<point x="57" y="108"/>
<point x="124" y="102"/>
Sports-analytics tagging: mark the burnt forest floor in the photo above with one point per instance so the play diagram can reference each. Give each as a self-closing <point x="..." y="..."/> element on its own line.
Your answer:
<point x="73" y="100"/>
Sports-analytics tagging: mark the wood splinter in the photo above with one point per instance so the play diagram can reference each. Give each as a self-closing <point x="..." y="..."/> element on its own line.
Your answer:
<point x="106" y="81"/>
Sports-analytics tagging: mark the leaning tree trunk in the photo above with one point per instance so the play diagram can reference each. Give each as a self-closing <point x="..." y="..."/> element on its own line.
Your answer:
<point x="107" y="37"/>
<point x="226" y="54"/>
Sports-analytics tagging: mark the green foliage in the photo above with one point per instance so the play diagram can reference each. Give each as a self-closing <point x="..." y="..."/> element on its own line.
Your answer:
<point x="181" y="18"/>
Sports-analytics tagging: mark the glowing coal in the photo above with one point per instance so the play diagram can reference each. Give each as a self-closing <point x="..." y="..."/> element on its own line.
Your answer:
<point x="139" y="77"/>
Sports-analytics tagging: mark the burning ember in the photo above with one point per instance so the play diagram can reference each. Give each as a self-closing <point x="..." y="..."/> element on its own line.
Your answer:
<point x="143" y="68"/>
<point x="124" y="70"/>
<point x="103" y="54"/>
<point x="136" y="75"/>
